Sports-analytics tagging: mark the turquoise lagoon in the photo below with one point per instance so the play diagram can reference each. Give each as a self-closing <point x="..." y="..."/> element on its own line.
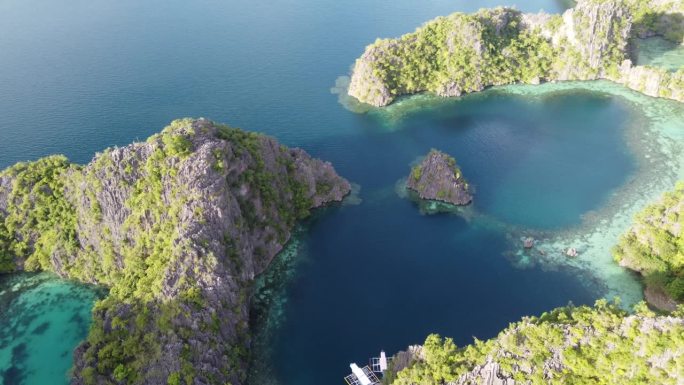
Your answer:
<point x="42" y="320"/>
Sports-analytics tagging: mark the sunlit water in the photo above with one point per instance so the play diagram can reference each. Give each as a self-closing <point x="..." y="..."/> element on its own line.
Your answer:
<point x="567" y="164"/>
<point x="659" y="52"/>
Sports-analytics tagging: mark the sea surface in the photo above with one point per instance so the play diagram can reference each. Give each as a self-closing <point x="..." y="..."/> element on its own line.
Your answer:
<point x="567" y="164"/>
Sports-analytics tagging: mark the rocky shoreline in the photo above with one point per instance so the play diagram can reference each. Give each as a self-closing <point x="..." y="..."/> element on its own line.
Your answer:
<point x="464" y="53"/>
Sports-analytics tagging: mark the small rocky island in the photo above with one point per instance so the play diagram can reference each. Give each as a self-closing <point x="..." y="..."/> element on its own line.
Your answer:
<point x="438" y="178"/>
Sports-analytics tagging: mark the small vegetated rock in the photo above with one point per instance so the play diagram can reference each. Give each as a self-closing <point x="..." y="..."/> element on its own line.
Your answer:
<point x="438" y="178"/>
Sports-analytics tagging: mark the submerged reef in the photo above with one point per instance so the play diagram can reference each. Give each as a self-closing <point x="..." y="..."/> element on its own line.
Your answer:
<point x="570" y="345"/>
<point x="177" y="227"/>
<point x="463" y="53"/>
<point x="438" y="178"/>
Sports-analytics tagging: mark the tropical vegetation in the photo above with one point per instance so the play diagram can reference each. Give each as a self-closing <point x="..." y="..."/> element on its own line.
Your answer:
<point x="585" y="345"/>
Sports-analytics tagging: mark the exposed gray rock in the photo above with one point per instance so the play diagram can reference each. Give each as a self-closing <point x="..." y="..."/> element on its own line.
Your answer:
<point x="656" y="82"/>
<point x="487" y="374"/>
<point x="438" y="177"/>
<point x="528" y="242"/>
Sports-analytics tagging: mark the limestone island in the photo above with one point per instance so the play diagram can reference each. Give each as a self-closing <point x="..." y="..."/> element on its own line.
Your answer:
<point x="463" y="53"/>
<point x="177" y="227"/>
<point x="438" y="178"/>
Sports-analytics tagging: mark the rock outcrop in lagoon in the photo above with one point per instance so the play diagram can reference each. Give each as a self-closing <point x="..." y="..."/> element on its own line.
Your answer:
<point x="437" y="177"/>
<point x="177" y="227"/>
<point x="464" y="53"/>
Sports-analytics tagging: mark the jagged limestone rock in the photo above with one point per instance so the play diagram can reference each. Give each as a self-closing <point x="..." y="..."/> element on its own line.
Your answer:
<point x="438" y="178"/>
<point x="177" y="227"/>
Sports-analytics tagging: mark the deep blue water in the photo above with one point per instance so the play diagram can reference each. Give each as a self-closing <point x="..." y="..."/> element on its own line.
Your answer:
<point x="77" y="76"/>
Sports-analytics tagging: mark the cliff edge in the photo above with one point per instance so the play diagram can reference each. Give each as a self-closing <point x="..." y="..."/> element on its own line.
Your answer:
<point x="654" y="247"/>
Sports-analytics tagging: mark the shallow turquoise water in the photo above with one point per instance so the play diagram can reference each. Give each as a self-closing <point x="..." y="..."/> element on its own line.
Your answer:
<point x="42" y="320"/>
<point x="79" y="76"/>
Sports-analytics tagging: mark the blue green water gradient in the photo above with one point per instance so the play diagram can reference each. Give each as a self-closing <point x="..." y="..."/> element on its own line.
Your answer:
<point x="568" y="164"/>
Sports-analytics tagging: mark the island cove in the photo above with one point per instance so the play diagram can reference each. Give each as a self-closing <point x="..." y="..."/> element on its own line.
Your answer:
<point x="552" y="94"/>
<point x="480" y="129"/>
<point x="331" y="234"/>
<point x="177" y="227"/>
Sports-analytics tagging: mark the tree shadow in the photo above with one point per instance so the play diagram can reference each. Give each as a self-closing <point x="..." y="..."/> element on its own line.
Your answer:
<point x="668" y="25"/>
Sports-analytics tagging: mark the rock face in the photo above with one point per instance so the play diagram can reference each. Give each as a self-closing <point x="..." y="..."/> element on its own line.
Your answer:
<point x="438" y="177"/>
<point x="652" y="81"/>
<point x="659" y="299"/>
<point x="177" y="227"/>
<point x="464" y="53"/>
